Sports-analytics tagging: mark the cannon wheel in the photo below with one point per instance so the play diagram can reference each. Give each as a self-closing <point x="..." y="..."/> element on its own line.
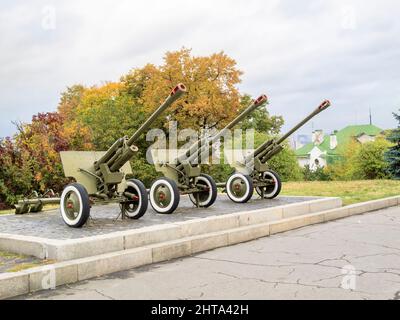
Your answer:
<point x="75" y="205"/>
<point x="207" y="197"/>
<point x="164" y="195"/>
<point x="271" y="191"/>
<point x="138" y="207"/>
<point x="239" y="188"/>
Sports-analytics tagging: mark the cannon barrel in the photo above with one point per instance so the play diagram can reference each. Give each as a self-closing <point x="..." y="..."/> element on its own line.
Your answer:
<point x="123" y="149"/>
<point x="203" y="144"/>
<point x="271" y="147"/>
<point x="175" y="94"/>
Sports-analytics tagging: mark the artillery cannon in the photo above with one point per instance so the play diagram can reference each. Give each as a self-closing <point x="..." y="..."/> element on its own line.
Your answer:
<point x="101" y="177"/>
<point x="253" y="171"/>
<point x="183" y="174"/>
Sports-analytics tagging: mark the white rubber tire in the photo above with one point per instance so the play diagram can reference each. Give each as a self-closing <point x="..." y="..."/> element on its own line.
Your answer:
<point x="174" y="191"/>
<point x="84" y="210"/>
<point x="143" y="199"/>
<point x="277" y="188"/>
<point x="212" y="194"/>
<point x="249" y="186"/>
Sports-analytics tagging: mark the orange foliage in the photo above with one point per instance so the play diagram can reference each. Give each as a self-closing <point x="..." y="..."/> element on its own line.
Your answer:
<point x="212" y="98"/>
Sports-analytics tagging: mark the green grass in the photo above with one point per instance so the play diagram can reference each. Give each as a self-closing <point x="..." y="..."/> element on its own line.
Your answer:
<point x="8" y="211"/>
<point x="10" y="255"/>
<point x="28" y="265"/>
<point x="13" y="262"/>
<point x="350" y="191"/>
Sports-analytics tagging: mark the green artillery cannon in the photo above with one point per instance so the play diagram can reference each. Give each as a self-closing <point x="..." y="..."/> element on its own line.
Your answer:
<point x="183" y="174"/>
<point x="102" y="177"/>
<point x="253" y="171"/>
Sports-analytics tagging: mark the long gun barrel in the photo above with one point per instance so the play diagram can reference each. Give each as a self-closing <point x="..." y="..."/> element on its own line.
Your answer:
<point x="202" y="145"/>
<point x="271" y="147"/>
<point x="123" y="149"/>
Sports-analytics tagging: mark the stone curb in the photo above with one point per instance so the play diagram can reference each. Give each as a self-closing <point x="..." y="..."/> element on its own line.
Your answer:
<point x="23" y="282"/>
<point x="64" y="250"/>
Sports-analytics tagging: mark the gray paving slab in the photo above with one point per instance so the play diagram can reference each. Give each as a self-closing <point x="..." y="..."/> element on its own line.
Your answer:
<point x="50" y="225"/>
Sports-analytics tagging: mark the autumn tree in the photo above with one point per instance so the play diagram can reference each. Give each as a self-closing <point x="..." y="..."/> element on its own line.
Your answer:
<point x="79" y="135"/>
<point x="91" y="118"/>
<point x="212" y="98"/>
<point x="69" y="101"/>
<point x="15" y="175"/>
<point x="115" y="109"/>
<point x="41" y="141"/>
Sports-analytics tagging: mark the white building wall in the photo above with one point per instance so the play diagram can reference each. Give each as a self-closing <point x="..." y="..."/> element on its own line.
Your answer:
<point x="365" y="138"/>
<point x="303" y="162"/>
<point x="315" y="156"/>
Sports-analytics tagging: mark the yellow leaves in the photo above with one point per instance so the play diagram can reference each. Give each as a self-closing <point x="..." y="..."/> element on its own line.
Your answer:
<point x="212" y="98"/>
<point x="38" y="176"/>
<point x="104" y="112"/>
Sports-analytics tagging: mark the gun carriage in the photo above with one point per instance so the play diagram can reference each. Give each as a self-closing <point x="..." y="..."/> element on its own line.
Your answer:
<point x="101" y="177"/>
<point x="182" y="175"/>
<point x="253" y="172"/>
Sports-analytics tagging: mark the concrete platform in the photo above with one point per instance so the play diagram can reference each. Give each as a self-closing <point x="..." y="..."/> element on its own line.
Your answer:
<point x="50" y="225"/>
<point x="45" y="236"/>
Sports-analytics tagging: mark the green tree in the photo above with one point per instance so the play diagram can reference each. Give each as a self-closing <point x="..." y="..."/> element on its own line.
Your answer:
<point x="361" y="161"/>
<point x="344" y="166"/>
<point x="284" y="163"/>
<point x="260" y="119"/>
<point x="392" y="156"/>
<point x="109" y="113"/>
<point x="370" y="160"/>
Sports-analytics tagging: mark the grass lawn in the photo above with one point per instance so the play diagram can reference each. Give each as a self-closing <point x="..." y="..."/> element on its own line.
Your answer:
<point x="350" y="191"/>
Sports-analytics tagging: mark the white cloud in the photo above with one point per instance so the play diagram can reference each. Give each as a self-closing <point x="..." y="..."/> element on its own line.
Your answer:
<point x="298" y="53"/>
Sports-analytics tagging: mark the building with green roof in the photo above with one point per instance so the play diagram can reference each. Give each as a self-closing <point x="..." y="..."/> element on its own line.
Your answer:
<point x="325" y="149"/>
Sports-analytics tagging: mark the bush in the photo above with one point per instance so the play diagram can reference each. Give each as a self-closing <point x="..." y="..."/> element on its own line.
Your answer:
<point x="144" y="171"/>
<point x="320" y="174"/>
<point x="370" y="160"/>
<point x="15" y="175"/>
<point x="285" y="163"/>
<point x="359" y="162"/>
<point x="220" y="172"/>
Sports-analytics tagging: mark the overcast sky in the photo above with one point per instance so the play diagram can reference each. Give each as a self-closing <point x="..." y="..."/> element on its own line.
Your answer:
<point x="297" y="52"/>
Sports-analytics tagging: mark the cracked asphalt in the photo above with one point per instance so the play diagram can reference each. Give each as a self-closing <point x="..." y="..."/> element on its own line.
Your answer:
<point x="353" y="258"/>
